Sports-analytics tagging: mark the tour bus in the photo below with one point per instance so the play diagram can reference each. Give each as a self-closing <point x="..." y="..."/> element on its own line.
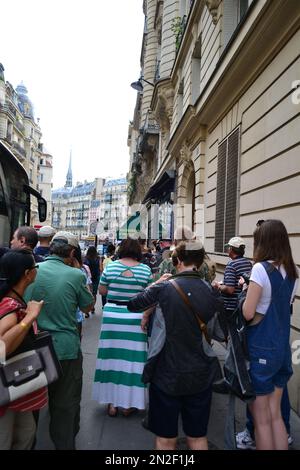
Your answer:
<point x="15" y="195"/>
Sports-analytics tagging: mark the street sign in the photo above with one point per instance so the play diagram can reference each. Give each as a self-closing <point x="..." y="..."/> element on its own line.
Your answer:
<point x="93" y="227"/>
<point x="99" y="228"/>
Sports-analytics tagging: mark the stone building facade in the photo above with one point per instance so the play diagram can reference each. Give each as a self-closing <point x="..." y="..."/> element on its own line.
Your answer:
<point x="45" y="181"/>
<point x="113" y="208"/>
<point x="71" y="206"/>
<point x="228" y="109"/>
<point x="91" y="208"/>
<point x="21" y="132"/>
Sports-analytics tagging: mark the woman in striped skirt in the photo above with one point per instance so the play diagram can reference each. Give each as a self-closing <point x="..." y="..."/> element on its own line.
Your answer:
<point x="122" y="349"/>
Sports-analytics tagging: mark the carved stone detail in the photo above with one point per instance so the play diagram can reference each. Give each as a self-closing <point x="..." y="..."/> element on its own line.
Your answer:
<point x="185" y="153"/>
<point x="163" y="108"/>
<point x="213" y="6"/>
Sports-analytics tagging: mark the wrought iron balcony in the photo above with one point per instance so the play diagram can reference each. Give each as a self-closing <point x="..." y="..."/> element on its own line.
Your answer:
<point x="149" y="129"/>
<point x="19" y="149"/>
<point x="8" y="108"/>
<point x="20" y="126"/>
<point x="8" y="137"/>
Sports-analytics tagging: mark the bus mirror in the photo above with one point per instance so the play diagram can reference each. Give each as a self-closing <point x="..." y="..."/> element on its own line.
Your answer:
<point x="42" y="208"/>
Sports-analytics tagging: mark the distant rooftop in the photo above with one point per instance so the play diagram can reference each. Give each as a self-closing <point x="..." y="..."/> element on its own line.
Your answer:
<point x="115" y="182"/>
<point x="78" y="190"/>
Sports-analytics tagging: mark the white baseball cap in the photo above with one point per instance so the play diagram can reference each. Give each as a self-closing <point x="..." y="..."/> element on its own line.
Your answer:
<point x="46" y="231"/>
<point x="235" y="242"/>
<point x="68" y="237"/>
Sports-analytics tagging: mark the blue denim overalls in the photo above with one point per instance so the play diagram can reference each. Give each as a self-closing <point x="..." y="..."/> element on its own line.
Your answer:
<point x="268" y="340"/>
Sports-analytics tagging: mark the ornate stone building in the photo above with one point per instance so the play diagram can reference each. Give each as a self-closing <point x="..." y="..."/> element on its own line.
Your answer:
<point x="45" y="181"/>
<point x="21" y="132"/>
<point x="113" y="209"/>
<point x="227" y="105"/>
<point x="71" y="205"/>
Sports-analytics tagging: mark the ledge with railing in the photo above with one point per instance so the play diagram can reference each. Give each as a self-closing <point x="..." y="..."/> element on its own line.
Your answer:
<point x="19" y="149"/>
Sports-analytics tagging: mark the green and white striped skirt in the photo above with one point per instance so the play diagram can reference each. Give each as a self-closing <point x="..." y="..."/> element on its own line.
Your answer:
<point x="122" y="354"/>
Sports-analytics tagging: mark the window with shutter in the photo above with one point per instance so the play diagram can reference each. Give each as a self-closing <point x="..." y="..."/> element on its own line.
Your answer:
<point x="226" y="198"/>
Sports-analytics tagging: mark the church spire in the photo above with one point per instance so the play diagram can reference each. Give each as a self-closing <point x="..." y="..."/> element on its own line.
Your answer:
<point x="69" y="174"/>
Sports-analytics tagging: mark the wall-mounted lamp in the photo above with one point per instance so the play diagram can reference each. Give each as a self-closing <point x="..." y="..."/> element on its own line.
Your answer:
<point x="138" y="86"/>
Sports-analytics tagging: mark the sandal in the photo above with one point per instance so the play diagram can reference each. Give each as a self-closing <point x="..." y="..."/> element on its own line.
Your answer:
<point x="112" y="411"/>
<point x="128" y="411"/>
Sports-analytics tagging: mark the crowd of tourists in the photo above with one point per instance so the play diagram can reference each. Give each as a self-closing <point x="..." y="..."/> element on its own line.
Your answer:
<point x="154" y="350"/>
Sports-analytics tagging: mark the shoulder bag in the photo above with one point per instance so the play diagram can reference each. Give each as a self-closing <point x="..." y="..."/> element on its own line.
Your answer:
<point x="35" y="367"/>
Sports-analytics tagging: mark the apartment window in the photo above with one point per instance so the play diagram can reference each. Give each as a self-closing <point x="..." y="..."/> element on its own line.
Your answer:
<point x="227" y="187"/>
<point x="196" y="70"/>
<point x="233" y="12"/>
<point x="180" y="101"/>
<point x="183" y="7"/>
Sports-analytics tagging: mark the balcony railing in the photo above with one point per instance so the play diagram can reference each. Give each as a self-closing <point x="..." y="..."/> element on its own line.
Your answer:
<point x="19" y="149"/>
<point x="20" y="126"/>
<point x="9" y="137"/>
<point x="8" y="108"/>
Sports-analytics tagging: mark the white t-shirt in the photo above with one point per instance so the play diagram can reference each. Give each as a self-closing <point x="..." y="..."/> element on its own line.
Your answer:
<point x="260" y="277"/>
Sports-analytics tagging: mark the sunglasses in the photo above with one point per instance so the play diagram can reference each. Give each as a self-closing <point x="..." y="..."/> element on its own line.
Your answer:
<point x="36" y="266"/>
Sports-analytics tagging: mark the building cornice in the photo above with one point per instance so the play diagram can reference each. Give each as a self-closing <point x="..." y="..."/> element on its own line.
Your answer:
<point x="269" y="26"/>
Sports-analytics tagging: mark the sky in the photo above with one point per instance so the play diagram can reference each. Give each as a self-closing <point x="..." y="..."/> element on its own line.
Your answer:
<point x="77" y="60"/>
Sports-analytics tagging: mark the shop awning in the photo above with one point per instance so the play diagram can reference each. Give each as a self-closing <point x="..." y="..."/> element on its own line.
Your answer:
<point x="131" y="228"/>
<point x="162" y="189"/>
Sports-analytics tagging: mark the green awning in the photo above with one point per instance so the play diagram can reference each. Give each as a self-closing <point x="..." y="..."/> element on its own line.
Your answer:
<point x="131" y="228"/>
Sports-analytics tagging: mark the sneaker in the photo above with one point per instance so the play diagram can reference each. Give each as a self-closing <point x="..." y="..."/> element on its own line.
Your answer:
<point x="290" y="440"/>
<point x="244" y="440"/>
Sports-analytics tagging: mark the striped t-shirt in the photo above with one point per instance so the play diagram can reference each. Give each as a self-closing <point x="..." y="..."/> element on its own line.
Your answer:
<point x="233" y="271"/>
<point x="121" y="287"/>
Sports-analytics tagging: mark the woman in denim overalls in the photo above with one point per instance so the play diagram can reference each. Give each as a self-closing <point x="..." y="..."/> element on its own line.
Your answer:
<point x="268" y="307"/>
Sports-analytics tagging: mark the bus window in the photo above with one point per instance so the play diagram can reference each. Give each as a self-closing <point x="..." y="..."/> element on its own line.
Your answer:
<point x="3" y="208"/>
<point x="4" y="220"/>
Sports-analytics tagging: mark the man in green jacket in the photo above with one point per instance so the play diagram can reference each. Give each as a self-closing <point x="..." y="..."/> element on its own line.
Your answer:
<point x="63" y="289"/>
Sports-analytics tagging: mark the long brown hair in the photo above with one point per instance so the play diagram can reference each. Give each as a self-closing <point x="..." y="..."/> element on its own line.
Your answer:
<point x="271" y="242"/>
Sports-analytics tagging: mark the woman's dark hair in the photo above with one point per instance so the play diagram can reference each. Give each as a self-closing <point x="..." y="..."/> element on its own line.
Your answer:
<point x="77" y="255"/>
<point x="271" y="242"/>
<point x="12" y="268"/>
<point x="92" y="253"/>
<point x="130" y="248"/>
<point x="110" y="249"/>
<point x="190" y="253"/>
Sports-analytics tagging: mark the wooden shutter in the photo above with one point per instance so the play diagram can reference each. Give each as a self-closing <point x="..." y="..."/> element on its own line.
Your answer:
<point x="220" y="198"/>
<point x="226" y="198"/>
<point x="231" y="185"/>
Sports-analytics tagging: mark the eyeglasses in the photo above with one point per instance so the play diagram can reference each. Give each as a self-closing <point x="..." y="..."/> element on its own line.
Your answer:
<point x="36" y="266"/>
